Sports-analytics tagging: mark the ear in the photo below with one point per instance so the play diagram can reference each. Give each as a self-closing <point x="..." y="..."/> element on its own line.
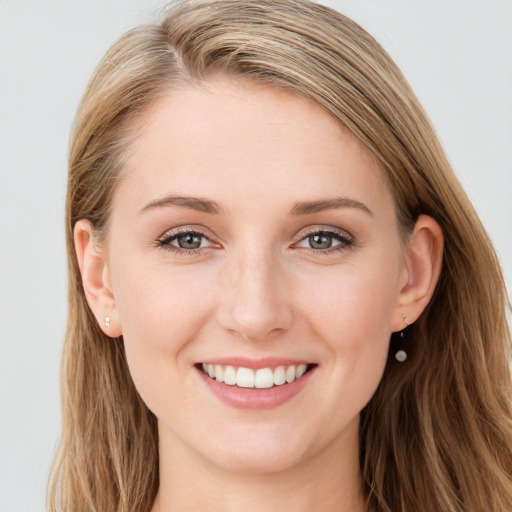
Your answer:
<point x="423" y="267"/>
<point x="96" y="280"/>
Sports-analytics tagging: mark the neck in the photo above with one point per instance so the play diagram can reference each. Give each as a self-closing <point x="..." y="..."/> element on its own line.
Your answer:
<point x="329" y="481"/>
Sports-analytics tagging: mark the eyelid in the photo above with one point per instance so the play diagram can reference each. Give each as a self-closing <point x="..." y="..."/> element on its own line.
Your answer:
<point x="183" y="230"/>
<point x="342" y="233"/>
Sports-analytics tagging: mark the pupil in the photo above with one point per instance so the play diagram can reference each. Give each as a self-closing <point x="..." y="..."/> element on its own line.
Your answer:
<point x="320" y="241"/>
<point x="189" y="241"/>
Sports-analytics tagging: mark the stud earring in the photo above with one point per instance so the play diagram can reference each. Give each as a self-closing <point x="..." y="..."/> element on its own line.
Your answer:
<point x="401" y="355"/>
<point x="107" y="321"/>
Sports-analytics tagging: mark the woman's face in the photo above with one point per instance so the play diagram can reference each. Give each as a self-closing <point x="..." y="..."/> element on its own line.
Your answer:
<point x="253" y="234"/>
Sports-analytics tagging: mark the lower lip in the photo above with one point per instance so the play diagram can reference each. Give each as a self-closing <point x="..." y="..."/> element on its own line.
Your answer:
<point x="251" y="398"/>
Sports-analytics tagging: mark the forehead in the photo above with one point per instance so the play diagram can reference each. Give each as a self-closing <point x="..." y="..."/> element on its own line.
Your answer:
<point x="244" y="142"/>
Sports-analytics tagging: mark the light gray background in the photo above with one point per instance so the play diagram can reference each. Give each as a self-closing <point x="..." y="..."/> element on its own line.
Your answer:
<point x="456" y="54"/>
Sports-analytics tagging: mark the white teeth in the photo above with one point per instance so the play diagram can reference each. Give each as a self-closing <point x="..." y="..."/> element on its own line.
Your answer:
<point x="219" y="373"/>
<point x="290" y="374"/>
<point x="279" y="376"/>
<point x="230" y="376"/>
<point x="264" y="378"/>
<point x="301" y="370"/>
<point x="247" y="378"/>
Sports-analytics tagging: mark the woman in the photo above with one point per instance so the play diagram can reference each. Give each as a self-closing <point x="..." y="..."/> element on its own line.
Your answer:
<point x="280" y="295"/>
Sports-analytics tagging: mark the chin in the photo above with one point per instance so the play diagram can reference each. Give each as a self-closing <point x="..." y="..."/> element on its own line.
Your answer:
<point x="256" y="462"/>
<point x="262" y="451"/>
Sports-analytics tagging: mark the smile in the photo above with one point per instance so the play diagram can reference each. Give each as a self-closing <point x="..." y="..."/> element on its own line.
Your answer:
<point x="262" y="378"/>
<point x="255" y="384"/>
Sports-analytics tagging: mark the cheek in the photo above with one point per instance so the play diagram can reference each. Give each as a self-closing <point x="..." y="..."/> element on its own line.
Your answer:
<point x="352" y="315"/>
<point x="161" y="313"/>
<point x="355" y="302"/>
<point x="158" y="302"/>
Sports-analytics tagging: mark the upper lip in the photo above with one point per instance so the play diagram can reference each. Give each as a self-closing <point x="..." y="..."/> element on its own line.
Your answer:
<point x="255" y="364"/>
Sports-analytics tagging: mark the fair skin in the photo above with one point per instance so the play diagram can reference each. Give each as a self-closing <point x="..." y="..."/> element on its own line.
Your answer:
<point x="291" y="255"/>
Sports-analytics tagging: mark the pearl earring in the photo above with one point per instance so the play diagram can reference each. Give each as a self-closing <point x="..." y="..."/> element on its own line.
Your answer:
<point x="401" y="355"/>
<point x="107" y="321"/>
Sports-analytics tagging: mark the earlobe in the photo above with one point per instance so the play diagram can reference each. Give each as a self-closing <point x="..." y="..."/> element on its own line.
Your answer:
<point x="424" y="259"/>
<point x="96" y="280"/>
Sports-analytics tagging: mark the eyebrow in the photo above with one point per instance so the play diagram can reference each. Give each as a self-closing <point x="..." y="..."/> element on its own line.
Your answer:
<point x="301" y="208"/>
<point x="194" y="203"/>
<point x="309" y="207"/>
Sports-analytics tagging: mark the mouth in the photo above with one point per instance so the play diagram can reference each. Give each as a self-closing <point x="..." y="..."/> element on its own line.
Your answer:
<point x="260" y="378"/>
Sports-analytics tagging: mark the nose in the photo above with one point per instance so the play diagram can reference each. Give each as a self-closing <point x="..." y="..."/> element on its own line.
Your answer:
<point x="254" y="298"/>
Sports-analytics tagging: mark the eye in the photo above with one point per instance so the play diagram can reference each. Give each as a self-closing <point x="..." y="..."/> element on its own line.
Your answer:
<point x="321" y="241"/>
<point x="188" y="240"/>
<point x="325" y="241"/>
<point x="185" y="241"/>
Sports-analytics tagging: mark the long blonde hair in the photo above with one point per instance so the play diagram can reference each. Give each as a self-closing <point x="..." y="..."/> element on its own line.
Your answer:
<point x="437" y="435"/>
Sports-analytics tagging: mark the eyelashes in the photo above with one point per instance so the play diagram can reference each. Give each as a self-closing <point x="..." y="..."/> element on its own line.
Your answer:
<point x="325" y="240"/>
<point x="318" y="241"/>
<point x="186" y="241"/>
